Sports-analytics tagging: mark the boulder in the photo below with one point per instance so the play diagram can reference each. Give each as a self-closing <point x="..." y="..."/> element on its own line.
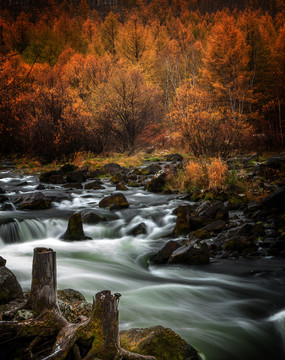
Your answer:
<point x="164" y="254"/>
<point x="194" y="253"/>
<point x="215" y="226"/>
<point x="187" y="222"/>
<point x="276" y="162"/>
<point x="75" y="185"/>
<point x="201" y="234"/>
<point x="150" y="169"/>
<point x="94" y="174"/>
<point x="34" y="201"/>
<point x="275" y="200"/>
<point x="138" y="230"/>
<point x="112" y="168"/>
<point x="75" y="177"/>
<point x="90" y="217"/>
<point x="163" y="343"/>
<point x="57" y="179"/>
<point x="73" y="305"/>
<point x="114" y="202"/>
<point x="121" y="187"/>
<point x="94" y="185"/>
<point x="240" y="244"/>
<point x="10" y="289"/>
<point x="217" y="210"/>
<point x="118" y="177"/>
<point x="3" y="198"/>
<point x="67" y="168"/>
<point x="41" y="187"/>
<point x="157" y="183"/>
<point x="45" y="177"/>
<point x="2" y="261"/>
<point x="74" y="230"/>
<point x="7" y="206"/>
<point x="174" y="157"/>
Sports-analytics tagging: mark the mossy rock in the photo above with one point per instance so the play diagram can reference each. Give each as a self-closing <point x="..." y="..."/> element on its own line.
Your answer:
<point x="121" y="187"/>
<point x="186" y="222"/>
<point x="163" y="343"/>
<point x="114" y="202"/>
<point x="157" y="183"/>
<point x="94" y="185"/>
<point x="200" y="234"/>
<point x="240" y="243"/>
<point x="35" y="201"/>
<point x="118" y="178"/>
<point x="182" y="226"/>
<point x="74" y="230"/>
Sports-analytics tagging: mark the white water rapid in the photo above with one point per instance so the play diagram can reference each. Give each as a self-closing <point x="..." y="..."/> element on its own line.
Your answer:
<point x="229" y="309"/>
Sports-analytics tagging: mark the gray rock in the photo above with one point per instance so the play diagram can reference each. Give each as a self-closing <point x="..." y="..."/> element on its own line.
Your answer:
<point x="10" y="288"/>
<point x="196" y="253"/>
<point x="75" y="177"/>
<point x="2" y="261"/>
<point x="164" y="254"/>
<point x="138" y="230"/>
<point x="33" y="201"/>
<point x="275" y="200"/>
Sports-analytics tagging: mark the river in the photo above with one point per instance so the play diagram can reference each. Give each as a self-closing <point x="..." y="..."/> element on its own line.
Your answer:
<point x="229" y="309"/>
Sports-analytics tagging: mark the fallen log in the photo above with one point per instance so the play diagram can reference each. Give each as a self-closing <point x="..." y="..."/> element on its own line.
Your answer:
<point x="50" y="336"/>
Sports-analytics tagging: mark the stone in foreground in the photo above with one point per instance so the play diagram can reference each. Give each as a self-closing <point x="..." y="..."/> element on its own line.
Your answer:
<point x="163" y="343"/>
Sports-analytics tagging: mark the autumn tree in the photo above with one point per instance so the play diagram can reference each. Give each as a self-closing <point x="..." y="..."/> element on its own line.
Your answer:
<point x="131" y="105"/>
<point x="109" y="32"/>
<point x="225" y="66"/>
<point x="133" y="39"/>
<point x="13" y="81"/>
<point x="203" y="128"/>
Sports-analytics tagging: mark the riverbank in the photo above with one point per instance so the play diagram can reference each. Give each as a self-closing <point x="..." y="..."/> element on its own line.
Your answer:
<point x="222" y="313"/>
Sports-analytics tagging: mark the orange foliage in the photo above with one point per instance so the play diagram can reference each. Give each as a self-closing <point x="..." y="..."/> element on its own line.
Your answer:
<point x="71" y="80"/>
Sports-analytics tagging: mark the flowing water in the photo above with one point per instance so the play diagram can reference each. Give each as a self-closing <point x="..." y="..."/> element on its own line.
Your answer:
<point x="229" y="309"/>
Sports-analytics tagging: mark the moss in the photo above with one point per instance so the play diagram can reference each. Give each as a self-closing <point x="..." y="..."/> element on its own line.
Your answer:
<point x="200" y="234"/>
<point x="114" y="202"/>
<point x="157" y="341"/>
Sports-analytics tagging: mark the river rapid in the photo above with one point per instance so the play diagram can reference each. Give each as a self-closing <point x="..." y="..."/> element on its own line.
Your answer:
<point x="229" y="309"/>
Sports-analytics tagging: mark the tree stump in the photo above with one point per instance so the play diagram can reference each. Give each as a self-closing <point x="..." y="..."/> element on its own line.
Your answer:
<point x="50" y="336"/>
<point x="43" y="295"/>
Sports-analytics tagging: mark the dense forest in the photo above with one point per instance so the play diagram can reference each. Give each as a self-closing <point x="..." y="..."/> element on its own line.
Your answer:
<point x="111" y="75"/>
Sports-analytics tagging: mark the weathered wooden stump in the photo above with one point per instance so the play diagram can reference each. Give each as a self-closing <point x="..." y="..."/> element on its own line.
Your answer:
<point x="50" y="336"/>
<point x="43" y="295"/>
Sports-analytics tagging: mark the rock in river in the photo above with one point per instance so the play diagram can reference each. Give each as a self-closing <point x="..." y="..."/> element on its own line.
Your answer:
<point x="114" y="202"/>
<point x="163" y="343"/>
<point x="196" y="253"/>
<point x="34" y="201"/>
<point x="74" y="230"/>
<point x="10" y="288"/>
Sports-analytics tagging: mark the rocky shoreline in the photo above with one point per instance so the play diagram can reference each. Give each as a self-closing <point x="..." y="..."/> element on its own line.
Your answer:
<point x="205" y="232"/>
